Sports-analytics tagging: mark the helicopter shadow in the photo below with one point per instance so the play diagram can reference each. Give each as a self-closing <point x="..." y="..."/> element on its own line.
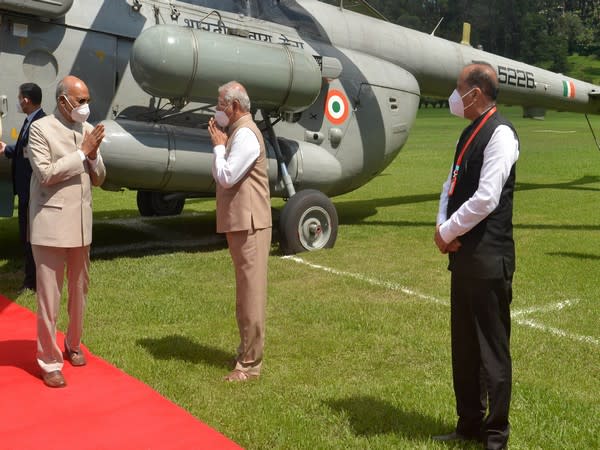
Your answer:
<point x="352" y="212"/>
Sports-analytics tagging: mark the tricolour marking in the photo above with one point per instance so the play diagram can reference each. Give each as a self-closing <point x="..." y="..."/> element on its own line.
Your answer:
<point x="337" y="108"/>
<point x="568" y="89"/>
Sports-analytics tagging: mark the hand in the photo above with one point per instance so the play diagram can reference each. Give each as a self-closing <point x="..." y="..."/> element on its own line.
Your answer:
<point x="442" y="245"/>
<point x="91" y="141"/>
<point x="2" y="147"/>
<point x="217" y="135"/>
<point x="453" y="246"/>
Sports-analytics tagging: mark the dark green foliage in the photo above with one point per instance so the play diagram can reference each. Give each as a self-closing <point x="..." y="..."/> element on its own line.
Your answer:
<point x="539" y="32"/>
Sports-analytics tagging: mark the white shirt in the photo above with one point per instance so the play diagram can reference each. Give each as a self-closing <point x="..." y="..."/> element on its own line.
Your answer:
<point x="244" y="150"/>
<point x="499" y="156"/>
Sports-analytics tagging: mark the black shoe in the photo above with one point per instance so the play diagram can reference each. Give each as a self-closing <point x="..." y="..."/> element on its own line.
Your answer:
<point x="454" y="436"/>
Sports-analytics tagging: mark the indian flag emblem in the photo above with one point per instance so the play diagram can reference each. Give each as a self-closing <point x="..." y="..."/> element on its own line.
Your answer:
<point x="336" y="107"/>
<point x="568" y="89"/>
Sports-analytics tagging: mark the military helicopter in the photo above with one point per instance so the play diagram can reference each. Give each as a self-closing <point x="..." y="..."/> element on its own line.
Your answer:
<point x="336" y="92"/>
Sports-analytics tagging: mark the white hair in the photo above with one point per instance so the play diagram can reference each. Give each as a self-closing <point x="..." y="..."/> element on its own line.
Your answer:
<point x="235" y="91"/>
<point x="61" y="89"/>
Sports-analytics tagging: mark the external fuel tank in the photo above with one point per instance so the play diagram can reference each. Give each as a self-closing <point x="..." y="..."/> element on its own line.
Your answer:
<point x="176" y="62"/>
<point x="167" y="158"/>
<point x="43" y="8"/>
<point x="145" y="156"/>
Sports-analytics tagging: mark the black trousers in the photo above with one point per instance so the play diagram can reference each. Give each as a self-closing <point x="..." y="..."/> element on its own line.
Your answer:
<point x="481" y="362"/>
<point x="30" y="276"/>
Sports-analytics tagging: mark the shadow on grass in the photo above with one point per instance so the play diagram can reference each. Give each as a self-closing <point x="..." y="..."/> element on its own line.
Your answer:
<point x="575" y="255"/>
<point x="370" y="416"/>
<point x="355" y="211"/>
<point x="141" y="236"/>
<point x="576" y="185"/>
<point x="184" y="349"/>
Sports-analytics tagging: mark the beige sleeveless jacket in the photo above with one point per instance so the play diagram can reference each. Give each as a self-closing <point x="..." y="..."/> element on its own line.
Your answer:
<point x="247" y="204"/>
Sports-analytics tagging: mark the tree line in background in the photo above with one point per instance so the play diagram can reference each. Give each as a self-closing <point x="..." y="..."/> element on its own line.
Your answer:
<point x="538" y="32"/>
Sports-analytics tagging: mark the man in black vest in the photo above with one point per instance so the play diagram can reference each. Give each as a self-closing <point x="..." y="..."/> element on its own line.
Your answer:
<point x="29" y="101"/>
<point x="474" y="226"/>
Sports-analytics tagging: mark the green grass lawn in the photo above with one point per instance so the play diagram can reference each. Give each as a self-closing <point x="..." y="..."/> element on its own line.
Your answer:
<point x="586" y="68"/>
<point x="358" y="356"/>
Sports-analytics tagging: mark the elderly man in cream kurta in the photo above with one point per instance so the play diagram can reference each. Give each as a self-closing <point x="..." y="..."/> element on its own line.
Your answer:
<point x="64" y="156"/>
<point x="244" y="214"/>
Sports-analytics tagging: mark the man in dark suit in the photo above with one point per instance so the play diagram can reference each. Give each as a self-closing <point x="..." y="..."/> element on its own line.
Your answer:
<point x="29" y="102"/>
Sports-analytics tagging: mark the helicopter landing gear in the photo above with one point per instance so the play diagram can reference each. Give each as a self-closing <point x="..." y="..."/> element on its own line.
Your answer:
<point x="308" y="221"/>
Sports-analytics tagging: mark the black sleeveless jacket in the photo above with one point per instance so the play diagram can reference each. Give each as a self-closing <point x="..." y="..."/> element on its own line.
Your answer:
<point x="488" y="250"/>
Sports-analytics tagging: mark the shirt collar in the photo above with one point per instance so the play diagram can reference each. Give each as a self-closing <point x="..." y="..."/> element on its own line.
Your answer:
<point x="30" y="116"/>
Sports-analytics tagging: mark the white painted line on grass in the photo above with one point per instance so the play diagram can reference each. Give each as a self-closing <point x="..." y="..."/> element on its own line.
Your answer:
<point x="142" y="224"/>
<point x="515" y="314"/>
<point x="555" y="131"/>
<point x="545" y="308"/>
<point x="557" y="332"/>
<point x="372" y="281"/>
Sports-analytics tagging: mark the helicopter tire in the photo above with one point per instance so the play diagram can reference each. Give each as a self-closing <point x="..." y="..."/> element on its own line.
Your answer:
<point x="308" y="222"/>
<point x="152" y="203"/>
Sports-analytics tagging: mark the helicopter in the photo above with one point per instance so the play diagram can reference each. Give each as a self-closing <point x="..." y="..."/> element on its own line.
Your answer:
<point x="334" y="91"/>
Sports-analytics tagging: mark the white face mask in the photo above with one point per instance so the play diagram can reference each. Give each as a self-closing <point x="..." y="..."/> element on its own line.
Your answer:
<point x="221" y="118"/>
<point x="79" y="114"/>
<point x="455" y="101"/>
<point x="19" y="108"/>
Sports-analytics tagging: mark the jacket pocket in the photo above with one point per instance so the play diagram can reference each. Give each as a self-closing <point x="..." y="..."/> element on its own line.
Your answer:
<point x="53" y="201"/>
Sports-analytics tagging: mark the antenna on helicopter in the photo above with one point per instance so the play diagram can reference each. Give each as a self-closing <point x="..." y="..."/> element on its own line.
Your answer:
<point x="436" y="27"/>
<point x="363" y="7"/>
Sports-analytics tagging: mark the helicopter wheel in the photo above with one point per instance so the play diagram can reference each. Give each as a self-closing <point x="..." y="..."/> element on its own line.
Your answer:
<point x="308" y="221"/>
<point x="152" y="203"/>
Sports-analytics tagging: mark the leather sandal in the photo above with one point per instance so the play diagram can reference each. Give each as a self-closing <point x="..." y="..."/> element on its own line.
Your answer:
<point x="239" y="375"/>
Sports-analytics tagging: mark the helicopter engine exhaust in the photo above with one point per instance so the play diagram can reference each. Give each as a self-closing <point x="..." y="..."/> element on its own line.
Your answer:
<point x="181" y="63"/>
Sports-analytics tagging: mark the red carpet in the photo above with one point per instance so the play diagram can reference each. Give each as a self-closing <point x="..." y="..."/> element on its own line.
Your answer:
<point x="101" y="407"/>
